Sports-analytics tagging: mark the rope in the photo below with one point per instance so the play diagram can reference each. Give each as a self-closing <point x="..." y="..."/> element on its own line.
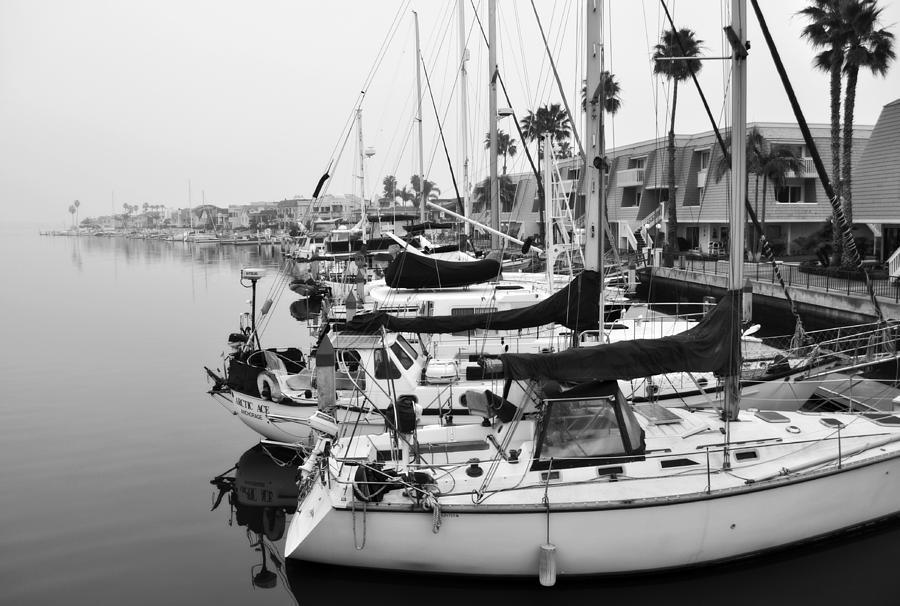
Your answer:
<point x="431" y="503"/>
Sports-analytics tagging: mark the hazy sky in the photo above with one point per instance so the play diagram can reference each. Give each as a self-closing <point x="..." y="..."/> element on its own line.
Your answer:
<point x="129" y="101"/>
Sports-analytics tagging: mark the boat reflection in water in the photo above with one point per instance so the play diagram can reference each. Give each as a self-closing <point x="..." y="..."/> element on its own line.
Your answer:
<point x="262" y="491"/>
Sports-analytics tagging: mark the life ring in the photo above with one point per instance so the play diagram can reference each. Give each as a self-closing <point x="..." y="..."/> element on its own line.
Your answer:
<point x="268" y="387"/>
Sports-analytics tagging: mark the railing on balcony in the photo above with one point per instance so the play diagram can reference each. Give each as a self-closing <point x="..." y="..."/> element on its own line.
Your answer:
<point x="808" y="172"/>
<point x="630" y="177"/>
<point x="894" y="264"/>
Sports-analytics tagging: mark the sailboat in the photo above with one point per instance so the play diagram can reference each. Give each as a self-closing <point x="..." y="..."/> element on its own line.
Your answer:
<point x="572" y="479"/>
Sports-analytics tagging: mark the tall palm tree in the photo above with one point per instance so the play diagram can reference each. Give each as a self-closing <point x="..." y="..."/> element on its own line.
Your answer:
<point x="72" y="212"/>
<point x="611" y="91"/>
<point x="506" y="146"/>
<point x="76" y="204"/>
<point x="681" y="43"/>
<point x="870" y="47"/>
<point x="775" y="165"/>
<point x="564" y="150"/>
<point x="827" y="30"/>
<point x="547" y="119"/>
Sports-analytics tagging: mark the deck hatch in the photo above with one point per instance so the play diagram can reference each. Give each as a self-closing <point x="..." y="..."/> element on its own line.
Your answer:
<point x="770" y="416"/>
<point x="682" y="462"/>
<point x="882" y="418"/>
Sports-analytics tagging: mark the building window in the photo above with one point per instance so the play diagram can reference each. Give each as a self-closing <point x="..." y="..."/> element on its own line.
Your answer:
<point x="637" y="162"/>
<point x="789" y="194"/>
<point x="703" y="159"/>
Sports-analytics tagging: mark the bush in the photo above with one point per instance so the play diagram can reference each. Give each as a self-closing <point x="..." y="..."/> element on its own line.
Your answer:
<point x="815" y="268"/>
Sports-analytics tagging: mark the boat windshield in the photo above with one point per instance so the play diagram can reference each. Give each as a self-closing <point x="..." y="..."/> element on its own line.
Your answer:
<point x="583" y="431"/>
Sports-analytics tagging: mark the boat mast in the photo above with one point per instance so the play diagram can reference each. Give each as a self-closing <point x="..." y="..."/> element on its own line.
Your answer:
<point x="492" y="119"/>
<point x="549" y="207"/>
<point x="738" y="168"/>
<point x="595" y="154"/>
<point x="362" y="175"/>
<point x="464" y="111"/>
<point x="421" y="145"/>
<point x="190" y="206"/>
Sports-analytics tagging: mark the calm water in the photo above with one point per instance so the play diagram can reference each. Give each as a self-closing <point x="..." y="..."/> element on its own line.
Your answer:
<point x="109" y="445"/>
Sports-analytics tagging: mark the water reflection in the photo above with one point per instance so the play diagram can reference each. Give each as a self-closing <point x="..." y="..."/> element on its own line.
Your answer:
<point x="133" y="250"/>
<point x="261" y="493"/>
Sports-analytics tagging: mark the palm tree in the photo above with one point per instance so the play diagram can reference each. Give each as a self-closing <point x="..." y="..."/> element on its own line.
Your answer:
<point x="827" y="30"/>
<point x="611" y="90"/>
<point x="547" y="119"/>
<point x="755" y="148"/>
<point x="681" y="43"/>
<point x="775" y="165"/>
<point x="506" y="188"/>
<point x="564" y="151"/>
<point x="506" y="146"/>
<point x="76" y="204"/>
<point x="867" y="47"/>
<point x="72" y="212"/>
<point x="431" y="190"/>
<point x="389" y="184"/>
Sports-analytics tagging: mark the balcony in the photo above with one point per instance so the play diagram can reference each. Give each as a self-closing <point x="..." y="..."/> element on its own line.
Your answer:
<point x="809" y="170"/>
<point x="632" y="177"/>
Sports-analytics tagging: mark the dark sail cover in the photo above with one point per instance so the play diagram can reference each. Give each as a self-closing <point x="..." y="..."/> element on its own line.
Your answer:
<point x="409" y="270"/>
<point x="708" y="347"/>
<point x="577" y="306"/>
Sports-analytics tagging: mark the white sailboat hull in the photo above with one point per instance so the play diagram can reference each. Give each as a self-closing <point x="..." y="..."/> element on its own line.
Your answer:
<point x="598" y="538"/>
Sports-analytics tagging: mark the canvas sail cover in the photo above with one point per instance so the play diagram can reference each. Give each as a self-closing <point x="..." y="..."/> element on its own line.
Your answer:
<point x="409" y="270"/>
<point x="577" y="306"/>
<point x="710" y="346"/>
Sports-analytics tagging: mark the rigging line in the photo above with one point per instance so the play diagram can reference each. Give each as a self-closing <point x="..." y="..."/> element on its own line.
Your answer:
<point x="767" y="249"/>
<point x="379" y="57"/>
<point x="441" y="131"/>
<point x="515" y="118"/>
<point x="838" y="211"/>
<point x="522" y="52"/>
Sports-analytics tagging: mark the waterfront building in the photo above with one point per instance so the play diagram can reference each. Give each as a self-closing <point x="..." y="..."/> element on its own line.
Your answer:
<point x="638" y="192"/>
<point x="876" y="185"/>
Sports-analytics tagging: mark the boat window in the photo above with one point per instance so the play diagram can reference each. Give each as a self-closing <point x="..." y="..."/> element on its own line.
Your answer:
<point x="401" y="354"/>
<point x="348" y="359"/>
<point x="581" y="428"/>
<point x="384" y="366"/>
<point x="407" y="347"/>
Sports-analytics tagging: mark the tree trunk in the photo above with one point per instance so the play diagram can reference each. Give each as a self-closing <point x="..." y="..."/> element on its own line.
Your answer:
<point x="836" y="62"/>
<point x="847" y="205"/>
<point x="672" y="222"/>
<point x="755" y="231"/>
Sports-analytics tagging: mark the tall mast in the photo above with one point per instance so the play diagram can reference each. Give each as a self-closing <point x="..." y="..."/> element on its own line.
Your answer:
<point x="549" y="207"/>
<point x="593" y="189"/>
<point x="464" y="111"/>
<point x="492" y="118"/>
<point x="362" y="174"/>
<point x="190" y="206"/>
<point x="738" y="191"/>
<point x="421" y="145"/>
